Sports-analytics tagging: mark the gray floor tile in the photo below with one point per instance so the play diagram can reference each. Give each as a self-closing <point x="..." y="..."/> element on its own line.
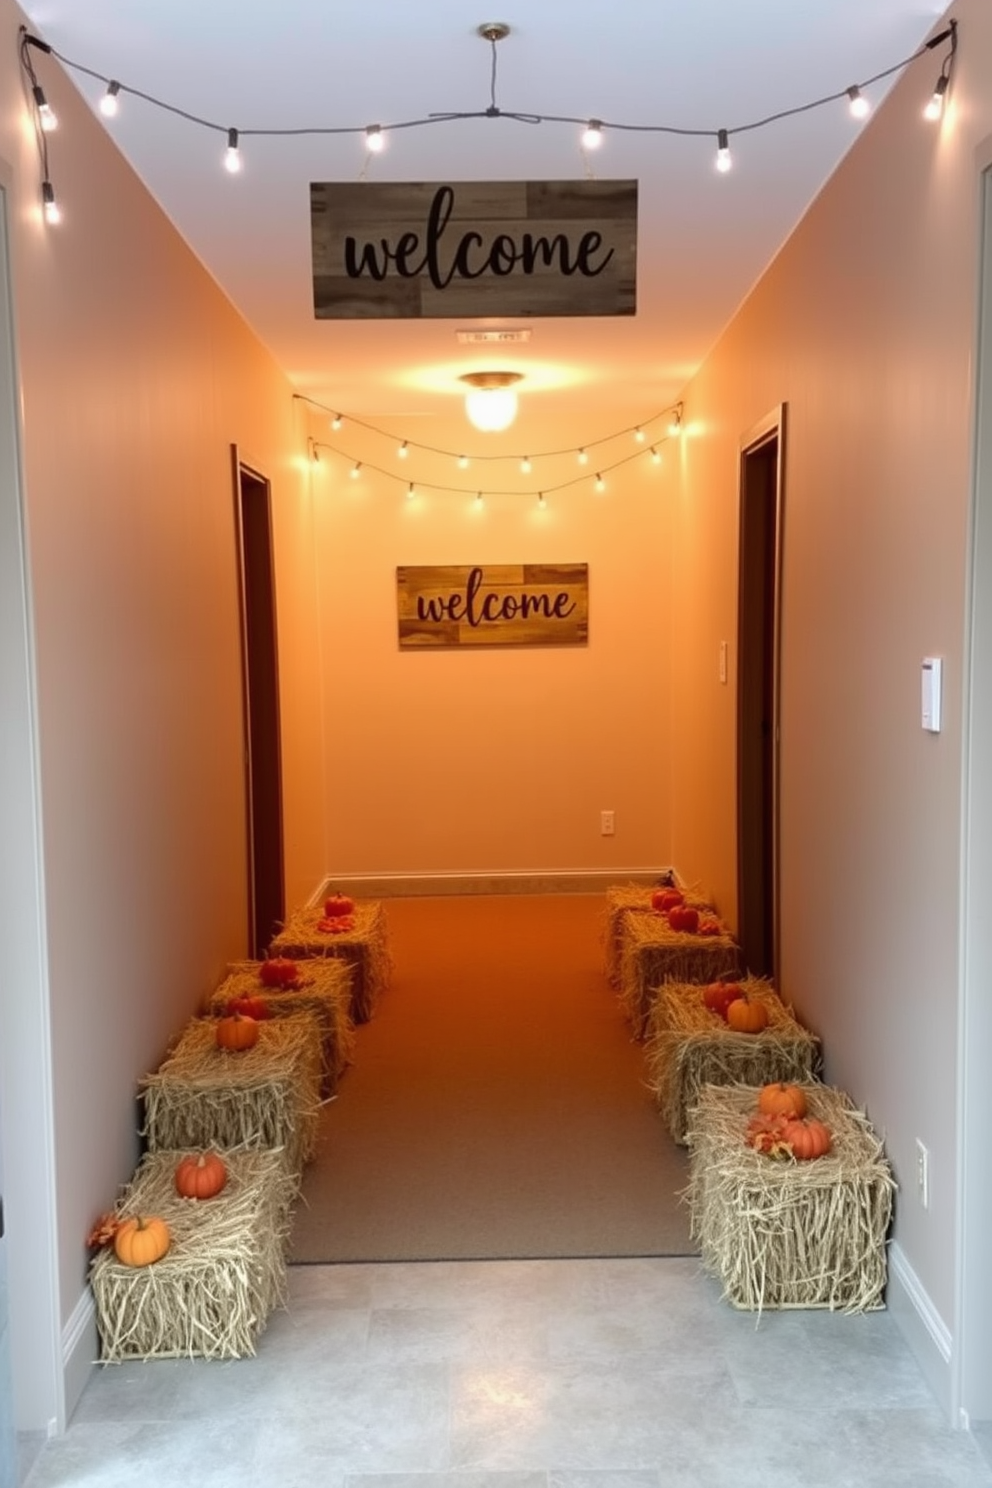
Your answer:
<point x="433" y="1335"/>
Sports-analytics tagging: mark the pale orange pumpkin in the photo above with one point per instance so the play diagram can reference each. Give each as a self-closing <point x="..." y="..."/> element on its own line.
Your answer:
<point x="141" y="1240"/>
<point x="236" y="1033"/>
<point x="779" y="1099"/>
<point x="807" y="1139"/>
<point x="201" y="1175"/>
<point x="747" y="1015"/>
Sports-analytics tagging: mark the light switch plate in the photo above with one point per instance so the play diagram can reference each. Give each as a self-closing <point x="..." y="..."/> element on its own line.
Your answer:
<point x="930" y="693"/>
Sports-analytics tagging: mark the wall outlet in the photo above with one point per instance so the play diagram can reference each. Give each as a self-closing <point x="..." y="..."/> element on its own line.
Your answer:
<point x="607" y="823"/>
<point x="922" y="1174"/>
<point x="723" y="662"/>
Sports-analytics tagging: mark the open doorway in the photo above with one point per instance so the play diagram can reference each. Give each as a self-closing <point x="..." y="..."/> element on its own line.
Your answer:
<point x="757" y="693"/>
<point x="260" y="674"/>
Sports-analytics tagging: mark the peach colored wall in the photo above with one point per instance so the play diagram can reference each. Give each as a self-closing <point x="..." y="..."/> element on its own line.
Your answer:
<point x="137" y="377"/>
<point x="864" y="326"/>
<point x="496" y="760"/>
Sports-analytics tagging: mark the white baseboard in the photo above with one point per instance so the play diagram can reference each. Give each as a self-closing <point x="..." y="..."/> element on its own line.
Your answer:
<point x="922" y="1326"/>
<point x="409" y="885"/>
<point x="80" y="1348"/>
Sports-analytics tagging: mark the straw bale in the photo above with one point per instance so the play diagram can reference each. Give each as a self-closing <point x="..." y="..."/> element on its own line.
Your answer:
<point x="624" y="899"/>
<point x="268" y="1096"/>
<point x="365" y="948"/>
<point x="652" y="953"/>
<point x="211" y="1294"/>
<point x="322" y="987"/>
<point x="781" y="1233"/>
<point x="688" y="1047"/>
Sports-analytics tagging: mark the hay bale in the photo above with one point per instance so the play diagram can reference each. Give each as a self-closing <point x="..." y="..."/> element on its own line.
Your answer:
<point x="779" y="1233"/>
<point x="322" y="988"/>
<point x="364" y="947"/>
<point x="624" y="899"/>
<point x="268" y="1096"/>
<point x="652" y="953"/>
<point x="688" y="1047"/>
<point x="210" y="1296"/>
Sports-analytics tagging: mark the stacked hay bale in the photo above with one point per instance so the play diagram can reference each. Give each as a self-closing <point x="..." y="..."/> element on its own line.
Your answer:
<point x="780" y="1232"/>
<point x="633" y="899"/>
<point x="688" y="1046"/>
<point x="322" y="988"/>
<point x="359" y="938"/>
<point x="652" y="953"/>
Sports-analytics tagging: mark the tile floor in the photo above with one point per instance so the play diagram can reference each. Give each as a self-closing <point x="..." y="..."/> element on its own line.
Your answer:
<point x="523" y="1374"/>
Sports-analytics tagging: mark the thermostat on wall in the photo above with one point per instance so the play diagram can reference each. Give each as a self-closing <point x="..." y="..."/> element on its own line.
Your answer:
<point x="931" y="694"/>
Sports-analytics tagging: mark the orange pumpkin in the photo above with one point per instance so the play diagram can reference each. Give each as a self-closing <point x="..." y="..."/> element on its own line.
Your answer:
<point x="684" y="919"/>
<point x="250" y="1007"/>
<point x="710" y="925"/>
<point x="338" y="905"/>
<point x="236" y="1033"/>
<point x="747" y="1015"/>
<point x="779" y="1099"/>
<point x="140" y="1241"/>
<point x="201" y="1175"/>
<point x="663" y="900"/>
<point x="807" y="1139"/>
<point x="718" y="996"/>
<point x="278" y="971"/>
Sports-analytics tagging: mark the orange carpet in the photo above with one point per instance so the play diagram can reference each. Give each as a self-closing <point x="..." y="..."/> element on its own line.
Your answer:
<point x="496" y="1106"/>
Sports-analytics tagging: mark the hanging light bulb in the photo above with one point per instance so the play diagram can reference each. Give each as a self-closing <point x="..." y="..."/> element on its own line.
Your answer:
<point x="491" y="403"/>
<point x="639" y="435"/>
<point x="49" y="206"/>
<point x="541" y="501"/>
<point x="232" y="155"/>
<point x="583" y="458"/>
<point x="525" y="465"/>
<point x="478" y="499"/>
<point x="600" y="484"/>
<point x="463" y="463"/>
<point x="47" y="117"/>
<point x="859" y="105"/>
<point x="410" y="491"/>
<point x="375" y="140"/>
<point x="592" y="136"/>
<point x="336" y="422"/>
<point x="935" y="107"/>
<point x="109" y="104"/>
<point x="356" y="470"/>
<point x="723" y="160"/>
<point x="675" y="424"/>
<point x="403" y="451"/>
<point x="655" y="455"/>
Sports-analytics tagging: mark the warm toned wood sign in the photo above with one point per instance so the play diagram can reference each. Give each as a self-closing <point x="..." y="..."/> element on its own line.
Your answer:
<point x="518" y="604"/>
<point x="410" y="250"/>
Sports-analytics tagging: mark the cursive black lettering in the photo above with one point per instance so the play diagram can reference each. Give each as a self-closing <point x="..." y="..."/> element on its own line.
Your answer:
<point x="471" y="590"/>
<point x="561" y="609"/>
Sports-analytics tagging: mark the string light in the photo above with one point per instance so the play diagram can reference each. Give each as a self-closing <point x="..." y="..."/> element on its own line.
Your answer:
<point x="49" y="206"/>
<point x="110" y="103"/>
<point x="403" y="450"/>
<point x="600" y="484"/>
<point x="639" y="435"/>
<point x="723" y="160"/>
<point x="375" y="140"/>
<point x="47" y="117"/>
<point x="935" y="107"/>
<point x="859" y="105"/>
<point x="655" y="455"/>
<point x="540" y="500"/>
<point x="356" y="470"/>
<point x="478" y="499"/>
<point x="411" y="491"/>
<point x="336" y="422"/>
<point x="592" y="136"/>
<point x="463" y="462"/>
<point x="582" y="457"/>
<point x="232" y="155"/>
<point x="675" y="425"/>
<point x="525" y="466"/>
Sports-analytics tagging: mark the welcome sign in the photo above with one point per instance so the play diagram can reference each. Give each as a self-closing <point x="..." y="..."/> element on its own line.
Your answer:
<point x="409" y="250"/>
<point x="527" y="604"/>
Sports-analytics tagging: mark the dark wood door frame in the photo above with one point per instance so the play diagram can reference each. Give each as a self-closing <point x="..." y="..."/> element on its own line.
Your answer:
<point x="758" y="691"/>
<point x="260" y="694"/>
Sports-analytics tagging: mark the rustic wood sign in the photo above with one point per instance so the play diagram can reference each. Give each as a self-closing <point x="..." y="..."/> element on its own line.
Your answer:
<point x="520" y="604"/>
<point x="410" y="250"/>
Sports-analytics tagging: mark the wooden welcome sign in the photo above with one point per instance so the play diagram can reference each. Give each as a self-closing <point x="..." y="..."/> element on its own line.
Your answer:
<point x="410" y="250"/>
<point x="525" y="604"/>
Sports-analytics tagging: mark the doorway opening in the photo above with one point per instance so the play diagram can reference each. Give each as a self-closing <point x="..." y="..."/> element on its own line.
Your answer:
<point x="758" y="622"/>
<point x="260" y="679"/>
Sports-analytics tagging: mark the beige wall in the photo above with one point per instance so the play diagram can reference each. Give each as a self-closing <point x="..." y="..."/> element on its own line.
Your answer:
<point x="864" y="326"/>
<point x="137" y="378"/>
<point x="496" y="760"/>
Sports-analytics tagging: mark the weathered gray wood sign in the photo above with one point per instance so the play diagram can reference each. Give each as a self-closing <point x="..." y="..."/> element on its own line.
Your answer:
<point x="521" y="604"/>
<point x="469" y="249"/>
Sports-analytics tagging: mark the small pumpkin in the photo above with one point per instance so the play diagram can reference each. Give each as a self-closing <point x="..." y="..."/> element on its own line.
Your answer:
<point x="718" y="996"/>
<point x="779" y="1099"/>
<point x="747" y="1015"/>
<point x="250" y="1007"/>
<point x="684" y="919"/>
<point x="141" y="1240"/>
<point x="338" y="905"/>
<point x="201" y="1175"/>
<point x="278" y="971"/>
<point x="710" y="925"/>
<point x="236" y="1033"/>
<point x="807" y="1139"/>
<point x="663" y="900"/>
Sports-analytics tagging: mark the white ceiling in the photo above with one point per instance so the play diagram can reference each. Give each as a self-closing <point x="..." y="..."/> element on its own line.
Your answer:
<point x="703" y="239"/>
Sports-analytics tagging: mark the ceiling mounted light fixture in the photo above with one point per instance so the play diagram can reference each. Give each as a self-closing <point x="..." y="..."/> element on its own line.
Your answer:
<point x="491" y="401"/>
